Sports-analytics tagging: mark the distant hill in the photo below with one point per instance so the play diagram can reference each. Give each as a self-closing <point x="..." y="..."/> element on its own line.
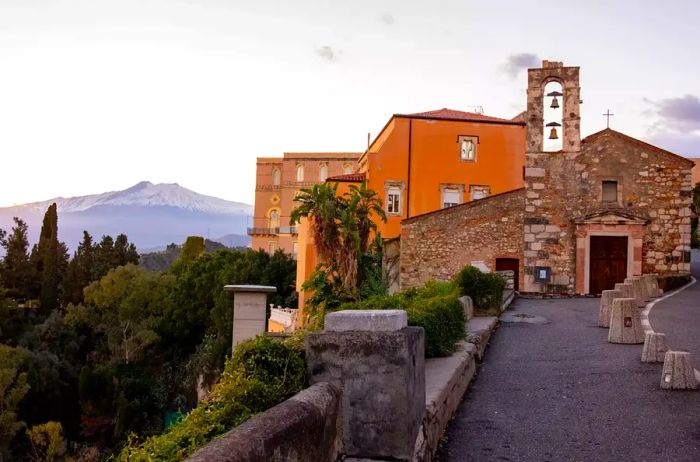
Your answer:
<point x="151" y="215"/>
<point x="164" y="259"/>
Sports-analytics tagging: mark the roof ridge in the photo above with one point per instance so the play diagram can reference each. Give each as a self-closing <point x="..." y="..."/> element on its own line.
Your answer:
<point x="609" y="131"/>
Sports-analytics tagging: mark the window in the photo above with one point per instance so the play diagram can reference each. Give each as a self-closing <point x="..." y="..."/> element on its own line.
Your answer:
<point x="450" y="198"/>
<point x="393" y="201"/>
<point x="300" y="172"/>
<point x="274" y="218"/>
<point x="609" y="191"/>
<point x="275" y="176"/>
<point x="347" y="169"/>
<point x="467" y="148"/>
<point x="295" y="249"/>
<point x="272" y="247"/>
<point x="323" y="173"/>
<point x="479" y="191"/>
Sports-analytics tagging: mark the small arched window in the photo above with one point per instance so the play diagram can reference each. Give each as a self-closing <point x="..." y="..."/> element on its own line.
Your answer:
<point x="553" y="112"/>
<point x="323" y="173"/>
<point x="274" y="218"/>
<point x="347" y="169"/>
<point x="276" y="176"/>
<point x="300" y="172"/>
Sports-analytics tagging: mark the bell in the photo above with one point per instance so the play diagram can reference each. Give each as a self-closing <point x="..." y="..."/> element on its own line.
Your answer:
<point x="553" y="134"/>
<point x="555" y="103"/>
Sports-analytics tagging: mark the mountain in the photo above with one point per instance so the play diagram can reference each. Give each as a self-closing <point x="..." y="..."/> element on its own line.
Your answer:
<point x="151" y="215"/>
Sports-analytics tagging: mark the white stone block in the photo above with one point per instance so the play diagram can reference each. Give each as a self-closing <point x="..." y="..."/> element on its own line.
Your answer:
<point x="366" y="320"/>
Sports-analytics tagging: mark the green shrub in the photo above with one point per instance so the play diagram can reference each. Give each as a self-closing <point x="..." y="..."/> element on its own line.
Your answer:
<point x="434" y="307"/>
<point x="261" y="373"/>
<point x="485" y="289"/>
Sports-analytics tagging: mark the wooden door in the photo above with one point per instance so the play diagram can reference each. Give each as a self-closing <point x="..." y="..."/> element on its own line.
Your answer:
<point x="505" y="264"/>
<point x="608" y="262"/>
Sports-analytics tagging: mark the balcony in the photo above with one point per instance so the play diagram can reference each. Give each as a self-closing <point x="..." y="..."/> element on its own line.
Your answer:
<point x="272" y="231"/>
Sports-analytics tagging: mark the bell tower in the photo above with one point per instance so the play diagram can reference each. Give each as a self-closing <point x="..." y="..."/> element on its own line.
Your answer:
<point x="553" y="142"/>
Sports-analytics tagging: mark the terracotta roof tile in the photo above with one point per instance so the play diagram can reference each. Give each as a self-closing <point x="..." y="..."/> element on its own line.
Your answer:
<point x="348" y="178"/>
<point x="452" y="114"/>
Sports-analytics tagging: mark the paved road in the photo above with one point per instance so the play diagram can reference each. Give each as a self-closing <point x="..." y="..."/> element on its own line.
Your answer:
<point x="679" y="316"/>
<point x="560" y="392"/>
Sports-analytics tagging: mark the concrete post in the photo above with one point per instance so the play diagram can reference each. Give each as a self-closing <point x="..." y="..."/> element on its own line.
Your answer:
<point x="378" y="364"/>
<point x="606" y="301"/>
<point x="626" y="289"/>
<point x="654" y="348"/>
<point x="638" y="290"/>
<point x="625" y="322"/>
<point x="678" y="372"/>
<point x="249" y="311"/>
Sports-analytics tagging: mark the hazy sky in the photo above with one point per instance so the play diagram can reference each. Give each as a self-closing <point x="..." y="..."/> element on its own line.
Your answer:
<point x="98" y="95"/>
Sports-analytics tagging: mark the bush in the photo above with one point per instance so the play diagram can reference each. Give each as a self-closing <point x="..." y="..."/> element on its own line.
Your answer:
<point x="485" y="289"/>
<point x="434" y="307"/>
<point x="261" y="373"/>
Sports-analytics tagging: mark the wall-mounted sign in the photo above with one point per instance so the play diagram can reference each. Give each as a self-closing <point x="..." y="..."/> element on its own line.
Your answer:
<point x="543" y="273"/>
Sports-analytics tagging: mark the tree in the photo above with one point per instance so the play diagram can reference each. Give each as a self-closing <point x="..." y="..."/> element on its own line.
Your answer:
<point x="16" y="270"/>
<point x="48" y="444"/>
<point x="13" y="387"/>
<point x="51" y="259"/>
<point x="192" y="248"/>
<point x="123" y="252"/>
<point x="79" y="271"/>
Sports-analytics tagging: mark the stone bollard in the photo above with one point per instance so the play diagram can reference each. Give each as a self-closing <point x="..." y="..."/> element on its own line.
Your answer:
<point x="606" y="301"/>
<point x="378" y="364"/>
<point x="638" y="291"/>
<point x="249" y="311"/>
<point x="654" y="348"/>
<point x="678" y="372"/>
<point x="626" y="289"/>
<point x="467" y="306"/>
<point x="625" y="322"/>
<point x="652" y="285"/>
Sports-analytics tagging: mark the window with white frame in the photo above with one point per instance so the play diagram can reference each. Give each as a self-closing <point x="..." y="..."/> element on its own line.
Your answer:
<point x="393" y="201"/>
<point x="323" y="172"/>
<point x="300" y="172"/>
<point x="467" y="148"/>
<point x="295" y="249"/>
<point x="479" y="191"/>
<point x="451" y="197"/>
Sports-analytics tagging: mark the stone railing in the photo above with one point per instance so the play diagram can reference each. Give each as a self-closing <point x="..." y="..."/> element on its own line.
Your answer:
<point x="366" y="366"/>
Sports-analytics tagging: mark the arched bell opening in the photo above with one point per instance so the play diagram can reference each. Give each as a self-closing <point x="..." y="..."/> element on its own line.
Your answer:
<point x="553" y="115"/>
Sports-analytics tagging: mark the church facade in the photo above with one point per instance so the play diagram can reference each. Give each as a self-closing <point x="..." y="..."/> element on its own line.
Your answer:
<point x="592" y="212"/>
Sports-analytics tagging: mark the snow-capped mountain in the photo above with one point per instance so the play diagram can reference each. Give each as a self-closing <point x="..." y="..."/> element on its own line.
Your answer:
<point x="151" y="215"/>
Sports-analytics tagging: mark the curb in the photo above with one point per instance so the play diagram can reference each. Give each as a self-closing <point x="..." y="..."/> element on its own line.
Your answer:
<point x="646" y="324"/>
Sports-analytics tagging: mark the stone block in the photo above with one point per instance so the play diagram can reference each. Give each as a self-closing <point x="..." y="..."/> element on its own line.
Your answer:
<point x="637" y="291"/>
<point x="625" y="322"/>
<point x="655" y="348"/>
<point x="467" y="306"/>
<point x="381" y="376"/>
<point x="606" y="301"/>
<point x="626" y="289"/>
<point x="534" y="172"/>
<point x="678" y="372"/>
<point x="652" y="285"/>
<point x="366" y="320"/>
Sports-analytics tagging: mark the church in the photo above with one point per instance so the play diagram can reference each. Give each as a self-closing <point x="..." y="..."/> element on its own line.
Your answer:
<point x="591" y="211"/>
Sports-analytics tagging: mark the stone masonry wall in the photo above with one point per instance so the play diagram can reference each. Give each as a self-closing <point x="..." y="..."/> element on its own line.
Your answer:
<point x="437" y="245"/>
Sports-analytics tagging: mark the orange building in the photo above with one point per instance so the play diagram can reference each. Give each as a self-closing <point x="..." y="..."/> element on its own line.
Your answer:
<point x="431" y="160"/>
<point x="696" y="170"/>
<point x="278" y="179"/>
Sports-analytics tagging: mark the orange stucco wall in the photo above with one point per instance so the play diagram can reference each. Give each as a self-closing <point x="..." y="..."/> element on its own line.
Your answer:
<point x="433" y="148"/>
<point x="434" y="161"/>
<point x="696" y="169"/>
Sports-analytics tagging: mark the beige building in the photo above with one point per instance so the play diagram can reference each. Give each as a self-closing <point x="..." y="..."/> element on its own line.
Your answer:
<point x="278" y="180"/>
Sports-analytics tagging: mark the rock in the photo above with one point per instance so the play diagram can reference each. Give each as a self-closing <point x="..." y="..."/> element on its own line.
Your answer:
<point x="678" y="372"/>
<point x="655" y="348"/>
<point x="625" y="322"/>
<point x="606" y="301"/>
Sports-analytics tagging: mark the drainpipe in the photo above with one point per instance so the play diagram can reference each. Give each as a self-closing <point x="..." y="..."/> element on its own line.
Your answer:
<point x="408" y="179"/>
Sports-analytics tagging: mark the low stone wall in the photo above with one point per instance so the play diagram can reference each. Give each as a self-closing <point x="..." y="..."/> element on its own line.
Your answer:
<point x="303" y="428"/>
<point x="668" y="282"/>
<point x="509" y="277"/>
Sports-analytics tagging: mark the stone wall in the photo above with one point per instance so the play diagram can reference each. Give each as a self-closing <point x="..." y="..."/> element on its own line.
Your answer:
<point x="301" y="429"/>
<point x="437" y="245"/>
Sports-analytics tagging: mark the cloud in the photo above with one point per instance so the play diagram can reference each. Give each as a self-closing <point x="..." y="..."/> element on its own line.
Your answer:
<point x="388" y="19"/>
<point x="676" y="124"/>
<point x="327" y="53"/>
<point x="515" y="63"/>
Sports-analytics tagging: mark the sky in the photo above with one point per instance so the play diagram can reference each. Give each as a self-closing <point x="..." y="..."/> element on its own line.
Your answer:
<point x="98" y="95"/>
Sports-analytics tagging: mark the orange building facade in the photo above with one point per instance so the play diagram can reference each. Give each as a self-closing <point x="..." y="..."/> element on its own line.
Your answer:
<point x="278" y="180"/>
<point x="427" y="161"/>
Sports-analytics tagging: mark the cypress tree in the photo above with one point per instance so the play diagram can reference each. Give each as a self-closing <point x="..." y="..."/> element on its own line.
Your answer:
<point x="48" y="252"/>
<point x="79" y="270"/>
